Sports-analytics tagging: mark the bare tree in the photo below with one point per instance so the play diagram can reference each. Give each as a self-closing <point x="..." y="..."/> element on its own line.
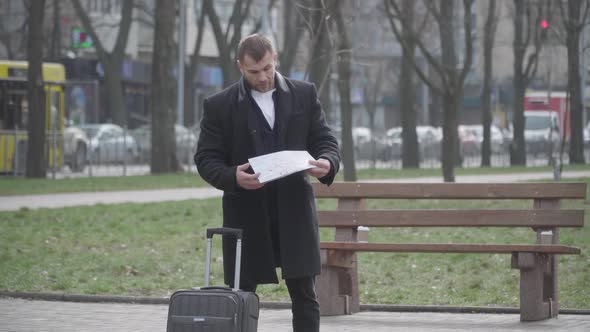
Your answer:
<point x="486" y="95"/>
<point x="319" y="66"/>
<point x="13" y="30"/>
<point x="407" y="93"/>
<point x="55" y="41"/>
<point x="163" y="157"/>
<point x="574" y="20"/>
<point x="189" y="79"/>
<point x="228" y="40"/>
<point x="111" y="61"/>
<point x="527" y="15"/>
<point x="344" y="61"/>
<point x="450" y="77"/>
<point x="36" y="161"/>
<point x="294" y="20"/>
<point x="372" y="84"/>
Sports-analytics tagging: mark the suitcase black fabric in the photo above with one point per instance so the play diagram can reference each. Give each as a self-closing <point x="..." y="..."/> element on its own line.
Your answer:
<point x="215" y="309"/>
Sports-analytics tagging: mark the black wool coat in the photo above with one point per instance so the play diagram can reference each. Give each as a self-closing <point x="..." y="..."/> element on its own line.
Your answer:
<point x="229" y="136"/>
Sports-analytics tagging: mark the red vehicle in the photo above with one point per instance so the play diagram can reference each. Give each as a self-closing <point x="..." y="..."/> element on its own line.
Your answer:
<point x="554" y="101"/>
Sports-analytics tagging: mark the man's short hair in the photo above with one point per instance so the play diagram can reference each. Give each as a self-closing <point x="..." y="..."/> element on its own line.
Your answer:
<point x="256" y="46"/>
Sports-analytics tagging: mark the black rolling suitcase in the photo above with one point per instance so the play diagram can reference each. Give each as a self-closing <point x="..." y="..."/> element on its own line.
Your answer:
<point x="215" y="309"/>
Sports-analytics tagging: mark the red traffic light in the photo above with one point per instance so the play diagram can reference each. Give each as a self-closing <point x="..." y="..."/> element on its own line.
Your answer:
<point x="544" y="24"/>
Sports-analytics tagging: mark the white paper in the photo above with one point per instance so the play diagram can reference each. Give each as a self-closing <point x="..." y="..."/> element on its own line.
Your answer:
<point x="276" y="165"/>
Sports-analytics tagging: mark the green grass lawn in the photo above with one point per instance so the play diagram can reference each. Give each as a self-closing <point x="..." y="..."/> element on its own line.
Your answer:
<point x="154" y="249"/>
<point x="21" y="186"/>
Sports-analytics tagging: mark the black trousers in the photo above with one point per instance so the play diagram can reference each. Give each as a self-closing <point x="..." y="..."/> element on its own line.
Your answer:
<point x="304" y="304"/>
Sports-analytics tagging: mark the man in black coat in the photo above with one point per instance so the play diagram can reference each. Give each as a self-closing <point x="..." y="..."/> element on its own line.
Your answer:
<point x="262" y="113"/>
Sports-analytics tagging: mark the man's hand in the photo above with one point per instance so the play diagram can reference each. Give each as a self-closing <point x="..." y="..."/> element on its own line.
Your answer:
<point x="247" y="180"/>
<point x="321" y="169"/>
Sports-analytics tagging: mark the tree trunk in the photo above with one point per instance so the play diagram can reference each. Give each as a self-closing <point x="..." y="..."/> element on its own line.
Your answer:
<point x="163" y="158"/>
<point x="227" y="46"/>
<point x="518" y="147"/>
<point x="114" y="89"/>
<point x="344" y="56"/>
<point x="407" y="95"/>
<point x="36" y="151"/>
<point x="576" y="150"/>
<point x="293" y="30"/>
<point x="111" y="61"/>
<point x="189" y="79"/>
<point x="488" y="45"/>
<point x="452" y="92"/>
<point x="320" y="58"/>
<point x="55" y="47"/>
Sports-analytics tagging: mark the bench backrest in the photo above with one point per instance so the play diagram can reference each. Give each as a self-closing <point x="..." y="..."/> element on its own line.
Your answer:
<point x="545" y="212"/>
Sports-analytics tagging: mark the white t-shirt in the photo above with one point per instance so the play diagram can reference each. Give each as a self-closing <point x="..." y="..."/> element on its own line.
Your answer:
<point x="266" y="104"/>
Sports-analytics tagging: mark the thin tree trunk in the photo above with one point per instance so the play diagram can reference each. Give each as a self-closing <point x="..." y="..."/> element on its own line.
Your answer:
<point x="293" y="32"/>
<point x="111" y="61"/>
<point x="576" y="150"/>
<point x="55" y="48"/>
<point x="488" y="45"/>
<point x="36" y="152"/>
<point x="163" y="157"/>
<point x="452" y="92"/>
<point x="189" y="81"/>
<point x="320" y="58"/>
<point x="227" y="45"/>
<point x="344" y="56"/>
<point x="518" y="148"/>
<point x="410" y="145"/>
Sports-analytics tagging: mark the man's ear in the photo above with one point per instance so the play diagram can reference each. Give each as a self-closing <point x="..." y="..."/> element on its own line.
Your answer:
<point x="239" y="65"/>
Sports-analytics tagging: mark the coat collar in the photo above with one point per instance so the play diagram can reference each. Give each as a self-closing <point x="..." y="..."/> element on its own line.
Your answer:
<point x="284" y="108"/>
<point x="280" y="84"/>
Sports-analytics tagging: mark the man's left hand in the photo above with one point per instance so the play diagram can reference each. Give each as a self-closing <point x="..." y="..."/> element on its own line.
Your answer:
<point x="321" y="169"/>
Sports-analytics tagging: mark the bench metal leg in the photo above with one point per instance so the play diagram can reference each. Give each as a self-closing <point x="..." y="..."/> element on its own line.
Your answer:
<point x="537" y="286"/>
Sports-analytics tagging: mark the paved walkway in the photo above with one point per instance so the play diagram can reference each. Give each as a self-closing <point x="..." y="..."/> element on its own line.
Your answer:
<point x="12" y="203"/>
<point x="25" y="315"/>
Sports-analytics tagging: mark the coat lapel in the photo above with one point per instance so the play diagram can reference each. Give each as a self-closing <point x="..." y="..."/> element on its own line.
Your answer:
<point x="245" y="107"/>
<point x="284" y="107"/>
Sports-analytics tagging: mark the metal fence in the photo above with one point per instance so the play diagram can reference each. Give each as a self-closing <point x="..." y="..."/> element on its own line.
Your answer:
<point x="131" y="155"/>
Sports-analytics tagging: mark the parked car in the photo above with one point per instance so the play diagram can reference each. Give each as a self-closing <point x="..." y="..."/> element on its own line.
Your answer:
<point x="75" y="147"/>
<point x="429" y="141"/>
<point x="541" y="132"/>
<point x="110" y="144"/>
<point x="475" y="133"/>
<point x="186" y="142"/>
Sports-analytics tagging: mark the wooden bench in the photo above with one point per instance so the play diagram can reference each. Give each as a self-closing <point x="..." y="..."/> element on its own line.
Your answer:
<point x="337" y="286"/>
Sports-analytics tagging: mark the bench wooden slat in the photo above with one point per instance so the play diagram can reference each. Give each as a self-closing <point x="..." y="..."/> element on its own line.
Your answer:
<point x="451" y="190"/>
<point x="450" y="248"/>
<point x="452" y="217"/>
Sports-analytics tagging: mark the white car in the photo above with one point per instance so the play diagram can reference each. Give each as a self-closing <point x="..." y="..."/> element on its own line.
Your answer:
<point x="429" y="140"/>
<point x="76" y="144"/>
<point x="109" y="143"/>
<point x="186" y="143"/>
<point x="541" y="132"/>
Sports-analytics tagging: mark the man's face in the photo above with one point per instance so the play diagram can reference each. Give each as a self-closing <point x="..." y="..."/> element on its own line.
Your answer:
<point x="260" y="75"/>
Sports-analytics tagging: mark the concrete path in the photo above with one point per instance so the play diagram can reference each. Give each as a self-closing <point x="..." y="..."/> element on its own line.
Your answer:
<point x="25" y="315"/>
<point x="12" y="203"/>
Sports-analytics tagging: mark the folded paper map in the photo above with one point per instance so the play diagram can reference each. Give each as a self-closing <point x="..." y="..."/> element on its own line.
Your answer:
<point x="276" y="165"/>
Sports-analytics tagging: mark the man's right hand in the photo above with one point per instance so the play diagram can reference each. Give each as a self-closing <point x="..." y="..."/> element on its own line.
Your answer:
<point x="246" y="180"/>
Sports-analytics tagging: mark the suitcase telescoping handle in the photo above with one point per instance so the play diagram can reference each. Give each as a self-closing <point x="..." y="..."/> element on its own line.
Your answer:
<point x="237" y="233"/>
